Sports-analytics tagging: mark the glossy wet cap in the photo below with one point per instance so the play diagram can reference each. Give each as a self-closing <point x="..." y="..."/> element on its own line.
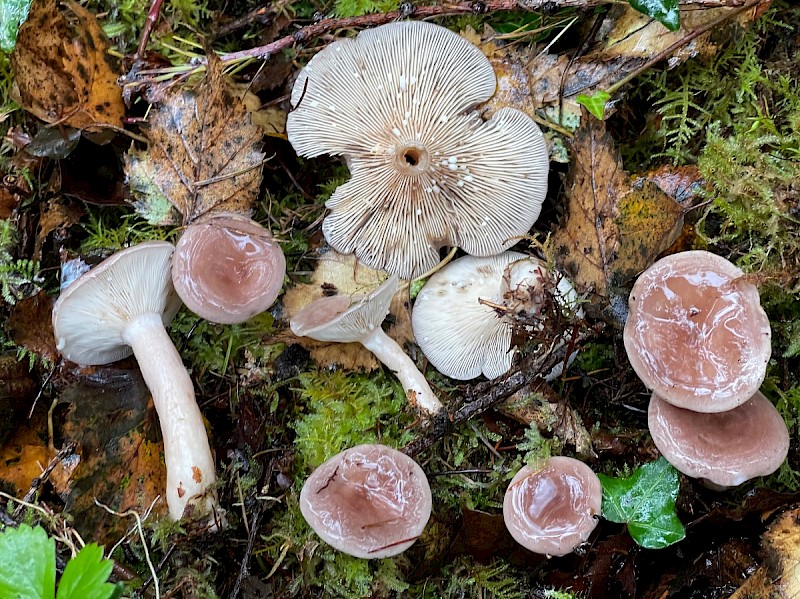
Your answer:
<point x="725" y="448"/>
<point x="92" y="312"/>
<point x="370" y="501"/>
<point x="427" y="172"/>
<point x="554" y="509"/>
<point x="696" y="334"/>
<point x="228" y="268"/>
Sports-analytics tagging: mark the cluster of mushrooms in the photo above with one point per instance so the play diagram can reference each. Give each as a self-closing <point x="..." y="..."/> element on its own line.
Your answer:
<point x="428" y="172"/>
<point x="697" y="336"/>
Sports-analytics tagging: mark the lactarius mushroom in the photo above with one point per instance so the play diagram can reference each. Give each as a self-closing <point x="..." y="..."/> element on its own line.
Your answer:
<point x="427" y="171"/>
<point x="122" y="306"/>
<point x="553" y="509"/>
<point x="370" y="501"/>
<point x="724" y="449"/>
<point x="696" y="333"/>
<point x="463" y="337"/>
<point x="228" y="268"/>
<point x="345" y="319"/>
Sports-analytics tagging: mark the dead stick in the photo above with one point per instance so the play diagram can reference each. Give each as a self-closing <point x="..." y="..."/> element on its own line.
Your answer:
<point x="152" y="17"/>
<point x="476" y="7"/>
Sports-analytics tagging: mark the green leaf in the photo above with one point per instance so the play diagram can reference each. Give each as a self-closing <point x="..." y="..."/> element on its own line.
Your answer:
<point x="86" y="575"/>
<point x="12" y="14"/>
<point x="664" y="11"/>
<point x="645" y="501"/>
<point x="596" y="103"/>
<point x="27" y="563"/>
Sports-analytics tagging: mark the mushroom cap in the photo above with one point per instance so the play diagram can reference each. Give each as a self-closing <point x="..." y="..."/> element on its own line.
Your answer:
<point x="725" y="448"/>
<point x="696" y="334"/>
<point x="370" y="501"/>
<point x="345" y="319"/>
<point x="91" y="314"/>
<point x="554" y="509"/>
<point x="459" y="335"/>
<point x="227" y="268"/>
<point x="426" y="173"/>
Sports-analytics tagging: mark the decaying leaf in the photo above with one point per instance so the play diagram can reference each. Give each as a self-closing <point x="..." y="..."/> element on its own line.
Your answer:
<point x="30" y="326"/>
<point x="614" y="229"/>
<point x="538" y="404"/>
<point x="55" y="215"/>
<point x="271" y="119"/>
<point x="113" y="423"/>
<point x="204" y="154"/>
<point x="23" y="457"/>
<point x="62" y="68"/>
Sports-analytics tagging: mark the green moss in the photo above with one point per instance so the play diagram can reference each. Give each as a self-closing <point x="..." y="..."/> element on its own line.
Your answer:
<point x="343" y="410"/>
<point x="112" y="230"/>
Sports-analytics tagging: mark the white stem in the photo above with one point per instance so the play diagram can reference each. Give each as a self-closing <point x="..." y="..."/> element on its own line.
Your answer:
<point x="393" y="357"/>
<point x="190" y="466"/>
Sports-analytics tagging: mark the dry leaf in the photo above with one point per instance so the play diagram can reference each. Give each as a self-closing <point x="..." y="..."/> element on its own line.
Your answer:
<point x="55" y="215"/>
<point x="613" y="229"/>
<point x="271" y="119"/>
<point x="204" y="154"/>
<point x="23" y="458"/>
<point x="62" y="68"/>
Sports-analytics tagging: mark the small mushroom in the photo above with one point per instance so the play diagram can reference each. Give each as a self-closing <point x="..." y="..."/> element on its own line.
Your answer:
<point x="344" y="319"/>
<point x="427" y="171"/>
<point x="723" y="449"/>
<point x="696" y="333"/>
<point x="122" y="306"/>
<point x="463" y="337"/>
<point x="370" y="501"/>
<point x="228" y="268"/>
<point x="553" y="509"/>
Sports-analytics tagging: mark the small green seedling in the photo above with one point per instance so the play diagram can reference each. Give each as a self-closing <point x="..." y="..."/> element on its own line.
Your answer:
<point x="645" y="501"/>
<point x="596" y="103"/>
<point x="28" y="568"/>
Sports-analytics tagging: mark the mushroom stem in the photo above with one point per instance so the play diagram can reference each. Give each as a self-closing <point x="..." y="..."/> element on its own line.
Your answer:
<point x="190" y="466"/>
<point x="393" y="357"/>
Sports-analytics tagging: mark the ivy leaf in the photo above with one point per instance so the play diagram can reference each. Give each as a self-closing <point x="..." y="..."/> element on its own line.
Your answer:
<point x="85" y="576"/>
<point x="645" y="501"/>
<point x="664" y="11"/>
<point x="596" y="103"/>
<point x="27" y="563"/>
<point x="12" y="14"/>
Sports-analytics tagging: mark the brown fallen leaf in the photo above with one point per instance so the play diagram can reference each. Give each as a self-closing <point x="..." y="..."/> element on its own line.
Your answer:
<point x="30" y="326"/>
<point x="62" y="68"/>
<point x="614" y="229"/>
<point x="204" y="154"/>
<point x="55" y="215"/>
<point x="23" y="457"/>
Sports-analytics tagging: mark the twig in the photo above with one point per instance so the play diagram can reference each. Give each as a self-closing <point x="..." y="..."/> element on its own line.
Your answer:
<point x="481" y="397"/>
<point x="152" y="17"/>
<point x="37" y="482"/>
<point x="251" y="537"/>
<point x="324" y="26"/>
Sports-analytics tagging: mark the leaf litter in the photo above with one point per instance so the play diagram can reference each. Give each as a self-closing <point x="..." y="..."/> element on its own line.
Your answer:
<point x="204" y="154"/>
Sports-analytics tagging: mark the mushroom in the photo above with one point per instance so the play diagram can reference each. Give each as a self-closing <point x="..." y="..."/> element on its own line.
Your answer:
<point x="427" y="172"/>
<point x="696" y="333"/>
<point x="723" y="449"/>
<point x="553" y="509"/>
<point x="464" y="337"/>
<point x="122" y="306"/>
<point x="345" y="319"/>
<point x="227" y="268"/>
<point x="370" y="501"/>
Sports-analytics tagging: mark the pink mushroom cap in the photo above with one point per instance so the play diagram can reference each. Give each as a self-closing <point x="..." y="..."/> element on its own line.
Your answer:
<point x="696" y="333"/>
<point x="228" y="268"/>
<point x="724" y="449"/>
<point x="369" y="501"/>
<point x="554" y="509"/>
